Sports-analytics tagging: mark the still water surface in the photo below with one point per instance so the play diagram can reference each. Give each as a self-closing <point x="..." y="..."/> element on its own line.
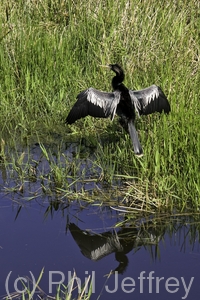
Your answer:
<point x="153" y="262"/>
<point x="34" y="241"/>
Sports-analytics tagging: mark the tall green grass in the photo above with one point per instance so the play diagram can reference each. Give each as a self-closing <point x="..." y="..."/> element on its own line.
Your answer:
<point x="51" y="50"/>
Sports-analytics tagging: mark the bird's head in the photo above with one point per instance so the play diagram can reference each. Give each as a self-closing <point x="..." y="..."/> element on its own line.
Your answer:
<point x="117" y="80"/>
<point x="116" y="68"/>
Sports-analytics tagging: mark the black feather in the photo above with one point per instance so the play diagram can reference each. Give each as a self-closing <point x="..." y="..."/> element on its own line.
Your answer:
<point x="122" y="102"/>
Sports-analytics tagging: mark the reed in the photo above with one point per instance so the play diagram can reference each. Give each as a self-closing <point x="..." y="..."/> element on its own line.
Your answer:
<point x="51" y="50"/>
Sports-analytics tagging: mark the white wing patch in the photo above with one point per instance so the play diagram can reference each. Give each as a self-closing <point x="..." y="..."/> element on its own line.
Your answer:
<point x="152" y="94"/>
<point x="149" y="100"/>
<point x="93" y="98"/>
<point x="107" y="101"/>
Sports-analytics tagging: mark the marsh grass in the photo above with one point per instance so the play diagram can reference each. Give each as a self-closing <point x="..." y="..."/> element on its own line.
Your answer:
<point x="51" y="50"/>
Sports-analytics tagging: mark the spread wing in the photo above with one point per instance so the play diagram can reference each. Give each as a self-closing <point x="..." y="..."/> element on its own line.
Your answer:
<point x="95" y="246"/>
<point x="150" y="100"/>
<point x="94" y="103"/>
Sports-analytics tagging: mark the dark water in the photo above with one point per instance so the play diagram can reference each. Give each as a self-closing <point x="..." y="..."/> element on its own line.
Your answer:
<point x="158" y="258"/>
<point x="33" y="241"/>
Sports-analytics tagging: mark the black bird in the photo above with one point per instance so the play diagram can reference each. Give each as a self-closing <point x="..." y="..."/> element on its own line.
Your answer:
<point x="121" y="101"/>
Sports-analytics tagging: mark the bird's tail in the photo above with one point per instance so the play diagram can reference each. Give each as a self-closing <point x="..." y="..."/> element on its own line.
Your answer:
<point x="134" y="137"/>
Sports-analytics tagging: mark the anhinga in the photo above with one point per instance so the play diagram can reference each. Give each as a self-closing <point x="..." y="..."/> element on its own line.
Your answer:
<point x="121" y="101"/>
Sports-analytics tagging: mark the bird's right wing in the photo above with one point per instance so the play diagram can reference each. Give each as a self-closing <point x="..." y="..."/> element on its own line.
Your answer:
<point x="94" y="103"/>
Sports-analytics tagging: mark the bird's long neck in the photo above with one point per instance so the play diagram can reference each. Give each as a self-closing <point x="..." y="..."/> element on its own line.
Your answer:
<point x="117" y="80"/>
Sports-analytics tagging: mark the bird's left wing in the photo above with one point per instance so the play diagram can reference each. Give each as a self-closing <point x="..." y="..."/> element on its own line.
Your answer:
<point x="94" y="103"/>
<point x="150" y="100"/>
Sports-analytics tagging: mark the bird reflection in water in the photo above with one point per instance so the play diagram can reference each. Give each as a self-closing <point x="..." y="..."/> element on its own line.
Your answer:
<point x="121" y="101"/>
<point x="97" y="246"/>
